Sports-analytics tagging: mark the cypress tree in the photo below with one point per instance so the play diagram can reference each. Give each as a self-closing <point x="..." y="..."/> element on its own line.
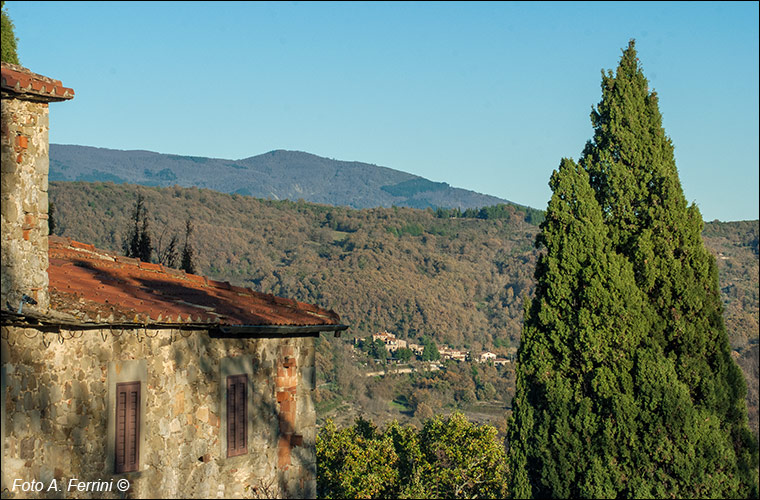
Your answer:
<point x="131" y="242"/>
<point x="144" y="246"/>
<point x="187" y="263"/>
<point x="137" y="243"/>
<point x="574" y="408"/>
<point x="671" y="415"/>
<point x="51" y="218"/>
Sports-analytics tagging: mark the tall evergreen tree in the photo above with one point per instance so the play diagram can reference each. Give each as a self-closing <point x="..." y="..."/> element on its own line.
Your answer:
<point x="574" y="408"/>
<point x="51" y="218"/>
<point x="145" y="245"/>
<point x="658" y="409"/>
<point x="137" y="243"/>
<point x="187" y="264"/>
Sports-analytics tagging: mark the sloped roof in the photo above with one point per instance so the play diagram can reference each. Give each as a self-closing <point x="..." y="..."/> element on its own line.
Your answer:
<point x="27" y="85"/>
<point x="96" y="286"/>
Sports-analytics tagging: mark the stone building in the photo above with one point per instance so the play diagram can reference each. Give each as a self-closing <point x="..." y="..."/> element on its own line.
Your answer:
<point x="486" y="356"/>
<point x="115" y="369"/>
<point x="392" y="344"/>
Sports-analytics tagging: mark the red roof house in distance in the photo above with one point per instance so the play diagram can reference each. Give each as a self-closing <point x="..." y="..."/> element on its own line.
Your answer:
<point x="116" y="369"/>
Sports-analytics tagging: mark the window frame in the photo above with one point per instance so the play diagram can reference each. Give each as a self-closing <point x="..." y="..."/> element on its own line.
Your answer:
<point x="126" y="371"/>
<point x="233" y="366"/>
<point x="128" y="407"/>
<point x="237" y="414"/>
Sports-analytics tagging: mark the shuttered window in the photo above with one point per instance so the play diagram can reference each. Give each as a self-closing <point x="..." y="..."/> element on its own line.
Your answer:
<point x="127" y="427"/>
<point x="237" y="403"/>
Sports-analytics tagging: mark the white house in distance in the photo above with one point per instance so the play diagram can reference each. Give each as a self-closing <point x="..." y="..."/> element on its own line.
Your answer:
<point x="487" y="356"/>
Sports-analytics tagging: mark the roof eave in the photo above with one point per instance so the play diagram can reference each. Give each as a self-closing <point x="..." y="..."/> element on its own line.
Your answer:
<point x="252" y="331"/>
<point x="215" y="329"/>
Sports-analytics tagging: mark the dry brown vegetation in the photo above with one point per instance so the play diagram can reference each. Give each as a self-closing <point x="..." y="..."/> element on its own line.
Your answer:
<point x="461" y="282"/>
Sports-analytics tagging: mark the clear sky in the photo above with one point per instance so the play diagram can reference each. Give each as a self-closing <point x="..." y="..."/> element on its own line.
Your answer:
<point x="485" y="96"/>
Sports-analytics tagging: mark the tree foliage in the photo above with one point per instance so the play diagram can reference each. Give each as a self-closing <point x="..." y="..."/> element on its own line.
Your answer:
<point x="51" y="218"/>
<point x="403" y="354"/>
<point x="137" y="243"/>
<point x="378" y="350"/>
<point x="9" y="40"/>
<point x="430" y="350"/>
<point x="357" y="462"/>
<point x="625" y="384"/>
<point x="187" y="263"/>
<point x="448" y="458"/>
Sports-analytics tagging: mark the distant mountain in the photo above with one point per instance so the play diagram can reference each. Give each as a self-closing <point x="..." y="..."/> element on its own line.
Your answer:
<point x="276" y="175"/>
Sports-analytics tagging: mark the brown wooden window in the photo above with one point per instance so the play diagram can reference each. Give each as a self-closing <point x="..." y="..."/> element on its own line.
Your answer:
<point x="127" y="427"/>
<point x="237" y="403"/>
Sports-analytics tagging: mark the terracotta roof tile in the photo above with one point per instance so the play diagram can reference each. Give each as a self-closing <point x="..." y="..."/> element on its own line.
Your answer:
<point x="89" y="283"/>
<point x="21" y="81"/>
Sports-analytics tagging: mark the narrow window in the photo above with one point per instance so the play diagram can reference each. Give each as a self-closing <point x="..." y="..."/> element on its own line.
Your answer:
<point x="127" y="427"/>
<point x="237" y="438"/>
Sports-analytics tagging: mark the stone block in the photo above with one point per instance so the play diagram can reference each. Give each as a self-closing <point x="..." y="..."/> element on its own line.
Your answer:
<point x="26" y="450"/>
<point x="175" y="426"/>
<point x="28" y="401"/>
<point x="9" y="208"/>
<point x="202" y="414"/>
<point x="9" y="165"/>
<point x="179" y="403"/>
<point x="42" y="205"/>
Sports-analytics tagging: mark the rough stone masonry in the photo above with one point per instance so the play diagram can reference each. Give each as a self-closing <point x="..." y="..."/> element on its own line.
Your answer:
<point x="57" y="412"/>
<point x="24" y="201"/>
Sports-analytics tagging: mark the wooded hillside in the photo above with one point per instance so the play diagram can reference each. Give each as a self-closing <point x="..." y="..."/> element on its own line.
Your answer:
<point x="460" y="281"/>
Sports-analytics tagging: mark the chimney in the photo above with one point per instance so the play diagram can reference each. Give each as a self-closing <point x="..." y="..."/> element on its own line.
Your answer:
<point x="24" y="198"/>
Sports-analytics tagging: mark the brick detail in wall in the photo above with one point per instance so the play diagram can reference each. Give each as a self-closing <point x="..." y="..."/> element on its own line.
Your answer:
<point x="286" y="389"/>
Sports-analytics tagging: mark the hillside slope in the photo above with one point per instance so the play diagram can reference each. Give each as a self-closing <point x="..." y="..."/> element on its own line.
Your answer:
<point x="459" y="281"/>
<point x="277" y="175"/>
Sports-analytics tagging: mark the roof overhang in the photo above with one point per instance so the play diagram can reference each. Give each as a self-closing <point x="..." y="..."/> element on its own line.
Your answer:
<point x="44" y="322"/>
<point x="253" y="331"/>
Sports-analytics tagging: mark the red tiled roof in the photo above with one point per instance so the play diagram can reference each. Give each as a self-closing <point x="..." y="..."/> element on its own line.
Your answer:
<point x="98" y="286"/>
<point x="21" y="81"/>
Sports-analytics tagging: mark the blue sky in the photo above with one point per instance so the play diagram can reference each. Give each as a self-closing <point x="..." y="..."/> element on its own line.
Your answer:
<point x="485" y="96"/>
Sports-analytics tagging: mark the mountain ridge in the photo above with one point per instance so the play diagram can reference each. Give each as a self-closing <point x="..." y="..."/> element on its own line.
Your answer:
<point x="278" y="174"/>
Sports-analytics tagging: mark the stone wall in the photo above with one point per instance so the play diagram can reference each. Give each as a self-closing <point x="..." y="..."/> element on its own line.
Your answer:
<point x="24" y="202"/>
<point x="56" y="412"/>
